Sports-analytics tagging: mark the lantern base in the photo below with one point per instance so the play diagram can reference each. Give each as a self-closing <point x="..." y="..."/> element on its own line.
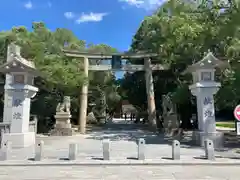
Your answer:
<point x="217" y="137"/>
<point x="19" y="140"/>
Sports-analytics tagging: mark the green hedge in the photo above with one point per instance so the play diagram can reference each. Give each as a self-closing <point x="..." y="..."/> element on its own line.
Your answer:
<point x="226" y="124"/>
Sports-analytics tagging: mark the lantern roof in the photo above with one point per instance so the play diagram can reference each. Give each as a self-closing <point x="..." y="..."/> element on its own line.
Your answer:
<point x="16" y="63"/>
<point x="208" y="62"/>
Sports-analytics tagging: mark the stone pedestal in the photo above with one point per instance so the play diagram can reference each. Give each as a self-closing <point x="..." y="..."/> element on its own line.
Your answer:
<point x="20" y="140"/>
<point x="19" y="134"/>
<point x="63" y="125"/>
<point x="217" y="137"/>
<point x="204" y="92"/>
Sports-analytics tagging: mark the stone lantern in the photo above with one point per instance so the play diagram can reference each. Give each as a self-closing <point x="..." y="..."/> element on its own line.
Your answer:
<point x="19" y="89"/>
<point x="204" y="87"/>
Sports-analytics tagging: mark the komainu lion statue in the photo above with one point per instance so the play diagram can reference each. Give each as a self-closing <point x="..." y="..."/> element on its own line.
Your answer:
<point x="65" y="105"/>
<point x="170" y="123"/>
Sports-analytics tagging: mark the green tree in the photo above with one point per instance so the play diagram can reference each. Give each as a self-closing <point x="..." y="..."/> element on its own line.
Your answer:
<point x="181" y="32"/>
<point x="61" y="75"/>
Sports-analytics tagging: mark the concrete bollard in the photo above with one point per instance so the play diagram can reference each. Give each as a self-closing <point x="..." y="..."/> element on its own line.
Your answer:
<point x="106" y="149"/>
<point x="5" y="150"/>
<point x="39" y="151"/>
<point x="209" y="149"/>
<point x="73" y="148"/>
<point x="141" y="149"/>
<point x="176" y="150"/>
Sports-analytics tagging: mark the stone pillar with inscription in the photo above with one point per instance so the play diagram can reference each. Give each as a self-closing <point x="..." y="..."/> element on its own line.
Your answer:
<point x="204" y="88"/>
<point x="19" y="90"/>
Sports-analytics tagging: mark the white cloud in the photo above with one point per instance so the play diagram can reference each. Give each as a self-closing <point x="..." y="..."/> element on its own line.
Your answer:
<point x="91" y="17"/>
<point x="133" y="2"/>
<point x="69" y="15"/>
<point x="28" y="5"/>
<point x="146" y="4"/>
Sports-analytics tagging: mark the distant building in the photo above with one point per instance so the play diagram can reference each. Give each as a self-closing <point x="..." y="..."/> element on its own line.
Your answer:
<point x="128" y="108"/>
<point x="124" y="107"/>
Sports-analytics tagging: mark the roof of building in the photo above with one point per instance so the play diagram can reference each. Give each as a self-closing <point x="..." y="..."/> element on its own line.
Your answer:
<point x="128" y="108"/>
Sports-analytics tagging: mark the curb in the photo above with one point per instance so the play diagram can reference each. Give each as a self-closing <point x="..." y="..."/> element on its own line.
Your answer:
<point x="119" y="163"/>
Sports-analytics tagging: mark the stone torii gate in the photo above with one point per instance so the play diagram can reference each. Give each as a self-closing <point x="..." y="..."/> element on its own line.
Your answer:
<point x="117" y="65"/>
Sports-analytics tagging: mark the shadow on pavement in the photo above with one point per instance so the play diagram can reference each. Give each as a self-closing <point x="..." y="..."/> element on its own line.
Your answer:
<point x="132" y="132"/>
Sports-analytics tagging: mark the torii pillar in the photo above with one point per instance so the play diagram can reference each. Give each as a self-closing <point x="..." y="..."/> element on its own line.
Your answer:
<point x="150" y="94"/>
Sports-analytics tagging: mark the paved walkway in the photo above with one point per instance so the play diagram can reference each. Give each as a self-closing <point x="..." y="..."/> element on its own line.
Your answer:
<point x="123" y="147"/>
<point x="120" y="173"/>
<point x="123" y="138"/>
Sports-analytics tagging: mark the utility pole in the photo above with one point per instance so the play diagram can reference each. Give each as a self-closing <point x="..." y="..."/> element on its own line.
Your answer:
<point x="84" y="100"/>
<point x="150" y="94"/>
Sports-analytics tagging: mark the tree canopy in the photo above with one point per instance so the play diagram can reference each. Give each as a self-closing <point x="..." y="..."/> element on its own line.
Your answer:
<point x="61" y="75"/>
<point x="181" y="32"/>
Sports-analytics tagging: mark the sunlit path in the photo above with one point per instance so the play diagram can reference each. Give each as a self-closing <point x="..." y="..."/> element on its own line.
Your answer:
<point x="120" y="173"/>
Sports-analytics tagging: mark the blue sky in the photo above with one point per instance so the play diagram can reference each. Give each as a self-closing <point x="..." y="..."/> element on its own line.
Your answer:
<point x="113" y="22"/>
